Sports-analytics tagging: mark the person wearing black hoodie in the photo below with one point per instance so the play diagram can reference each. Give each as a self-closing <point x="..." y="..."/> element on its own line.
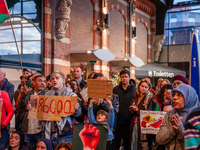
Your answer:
<point x="125" y="91"/>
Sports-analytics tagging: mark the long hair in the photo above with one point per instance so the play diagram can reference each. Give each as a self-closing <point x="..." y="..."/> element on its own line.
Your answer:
<point x="160" y="95"/>
<point x="148" y="81"/>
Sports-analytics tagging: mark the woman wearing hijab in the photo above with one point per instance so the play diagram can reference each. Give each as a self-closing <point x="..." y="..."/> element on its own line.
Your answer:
<point x="44" y="144"/>
<point x="17" y="141"/>
<point x="171" y="133"/>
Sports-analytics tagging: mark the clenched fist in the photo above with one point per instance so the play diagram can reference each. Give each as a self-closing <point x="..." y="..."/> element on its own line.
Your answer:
<point x="90" y="136"/>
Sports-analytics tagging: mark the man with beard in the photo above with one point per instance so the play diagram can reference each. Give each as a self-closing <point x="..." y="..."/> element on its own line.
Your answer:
<point x="31" y="127"/>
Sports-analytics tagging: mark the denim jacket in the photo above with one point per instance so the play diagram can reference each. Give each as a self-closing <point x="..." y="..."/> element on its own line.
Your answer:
<point x="110" y="121"/>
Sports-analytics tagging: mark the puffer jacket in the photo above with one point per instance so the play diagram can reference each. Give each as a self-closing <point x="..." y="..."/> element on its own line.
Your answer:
<point x="167" y="136"/>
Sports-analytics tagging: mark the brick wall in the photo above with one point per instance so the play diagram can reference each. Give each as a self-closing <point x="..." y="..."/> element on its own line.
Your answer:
<point x="82" y="35"/>
<point x="81" y="26"/>
<point x="141" y="47"/>
<point x="117" y="38"/>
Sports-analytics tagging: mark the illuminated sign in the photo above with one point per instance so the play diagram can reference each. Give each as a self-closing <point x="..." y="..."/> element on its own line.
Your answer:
<point x="160" y="74"/>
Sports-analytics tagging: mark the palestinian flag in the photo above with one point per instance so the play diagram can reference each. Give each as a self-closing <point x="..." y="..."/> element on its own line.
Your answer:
<point x="3" y="11"/>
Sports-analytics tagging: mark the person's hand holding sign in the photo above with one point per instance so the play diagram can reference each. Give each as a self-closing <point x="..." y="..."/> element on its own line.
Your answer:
<point x="90" y="137"/>
<point x="109" y="101"/>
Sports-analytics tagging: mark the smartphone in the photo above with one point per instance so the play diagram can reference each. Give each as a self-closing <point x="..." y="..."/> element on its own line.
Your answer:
<point x="28" y="84"/>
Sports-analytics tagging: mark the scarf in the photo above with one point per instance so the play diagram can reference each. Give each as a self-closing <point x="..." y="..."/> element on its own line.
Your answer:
<point x="2" y="83"/>
<point x="191" y="100"/>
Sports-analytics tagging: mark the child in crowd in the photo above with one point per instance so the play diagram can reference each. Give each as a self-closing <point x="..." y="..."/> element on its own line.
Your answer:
<point x="102" y="117"/>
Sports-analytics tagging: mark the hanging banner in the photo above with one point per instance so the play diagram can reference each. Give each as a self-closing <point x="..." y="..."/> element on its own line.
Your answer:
<point x="51" y="108"/>
<point x="150" y="121"/>
<point x="90" y="136"/>
<point x="194" y="64"/>
<point x="99" y="88"/>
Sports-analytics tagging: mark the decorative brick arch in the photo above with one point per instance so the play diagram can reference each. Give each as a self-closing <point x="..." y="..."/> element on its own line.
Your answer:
<point x="118" y="8"/>
<point x="141" y="20"/>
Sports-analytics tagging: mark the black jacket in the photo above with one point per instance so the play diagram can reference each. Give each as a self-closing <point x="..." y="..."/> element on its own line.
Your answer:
<point x="9" y="88"/>
<point x="125" y="98"/>
<point x="82" y="84"/>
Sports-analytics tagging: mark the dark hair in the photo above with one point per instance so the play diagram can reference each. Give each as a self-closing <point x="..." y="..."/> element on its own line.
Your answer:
<point x="67" y="146"/>
<point x="70" y="83"/>
<point x="132" y="81"/>
<point x="160" y="95"/>
<point x="35" y="78"/>
<point x="124" y="71"/>
<point x="103" y="112"/>
<point x="78" y="90"/>
<point x="28" y="78"/>
<point x="96" y="75"/>
<point x="91" y="74"/>
<point x="48" y="77"/>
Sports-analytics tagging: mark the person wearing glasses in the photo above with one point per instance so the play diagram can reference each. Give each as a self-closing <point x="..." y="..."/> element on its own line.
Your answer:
<point x="171" y="133"/>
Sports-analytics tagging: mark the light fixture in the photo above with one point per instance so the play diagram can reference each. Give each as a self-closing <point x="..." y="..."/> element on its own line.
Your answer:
<point x="125" y="59"/>
<point x="24" y="21"/>
<point x="89" y="52"/>
<point x="134" y="32"/>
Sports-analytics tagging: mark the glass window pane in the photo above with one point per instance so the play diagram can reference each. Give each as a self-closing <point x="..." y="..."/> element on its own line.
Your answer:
<point x="180" y="1"/>
<point x="179" y="53"/>
<point x="8" y="49"/>
<point x="6" y="36"/>
<point x="30" y="16"/>
<point x="31" y="34"/>
<point x="166" y="40"/>
<point x="32" y="47"/>
<point x="17" y="8"/>
<point x="29" y="7"/>
<point x="181" y="36"/>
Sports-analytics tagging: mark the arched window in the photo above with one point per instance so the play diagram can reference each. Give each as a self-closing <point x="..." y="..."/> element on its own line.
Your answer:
<point x="27" y="30"/>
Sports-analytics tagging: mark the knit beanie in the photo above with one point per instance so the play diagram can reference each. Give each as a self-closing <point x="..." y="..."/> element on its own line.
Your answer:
<point x="181" y="78"/>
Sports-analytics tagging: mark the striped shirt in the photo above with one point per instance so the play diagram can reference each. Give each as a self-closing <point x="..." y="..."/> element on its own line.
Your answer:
<point x="192" y="130"/>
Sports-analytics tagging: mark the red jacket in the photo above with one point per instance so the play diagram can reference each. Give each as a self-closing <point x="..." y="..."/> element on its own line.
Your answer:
<point x="6" y="107"/>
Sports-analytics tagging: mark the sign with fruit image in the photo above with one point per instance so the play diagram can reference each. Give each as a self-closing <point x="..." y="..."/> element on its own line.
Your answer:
<point x="150" y="121"/>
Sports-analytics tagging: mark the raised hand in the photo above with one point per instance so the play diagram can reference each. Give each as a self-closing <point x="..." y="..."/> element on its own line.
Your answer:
<point x="90" y="136"/>
<point x="177" y="123"/>
<point x="109" y="101"/>
<point x="92" y="101"/>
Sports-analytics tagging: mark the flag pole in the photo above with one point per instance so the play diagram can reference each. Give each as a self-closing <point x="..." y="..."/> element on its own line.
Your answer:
<point x="15" y="39"/>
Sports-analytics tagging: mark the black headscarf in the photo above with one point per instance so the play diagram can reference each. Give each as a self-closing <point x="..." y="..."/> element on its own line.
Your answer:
<point x="48" y="143"/>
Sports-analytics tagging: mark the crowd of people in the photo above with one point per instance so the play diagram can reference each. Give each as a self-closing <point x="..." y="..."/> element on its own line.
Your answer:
<point x="179" y="128"/>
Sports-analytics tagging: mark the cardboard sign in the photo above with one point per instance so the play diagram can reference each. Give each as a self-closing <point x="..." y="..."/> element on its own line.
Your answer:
<point x="51" y="108"/>
<point x="99" y="88"/>
<point x="84" y="94"/>
<point x="150" y="121"/>
<point x="89" y="136"/>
